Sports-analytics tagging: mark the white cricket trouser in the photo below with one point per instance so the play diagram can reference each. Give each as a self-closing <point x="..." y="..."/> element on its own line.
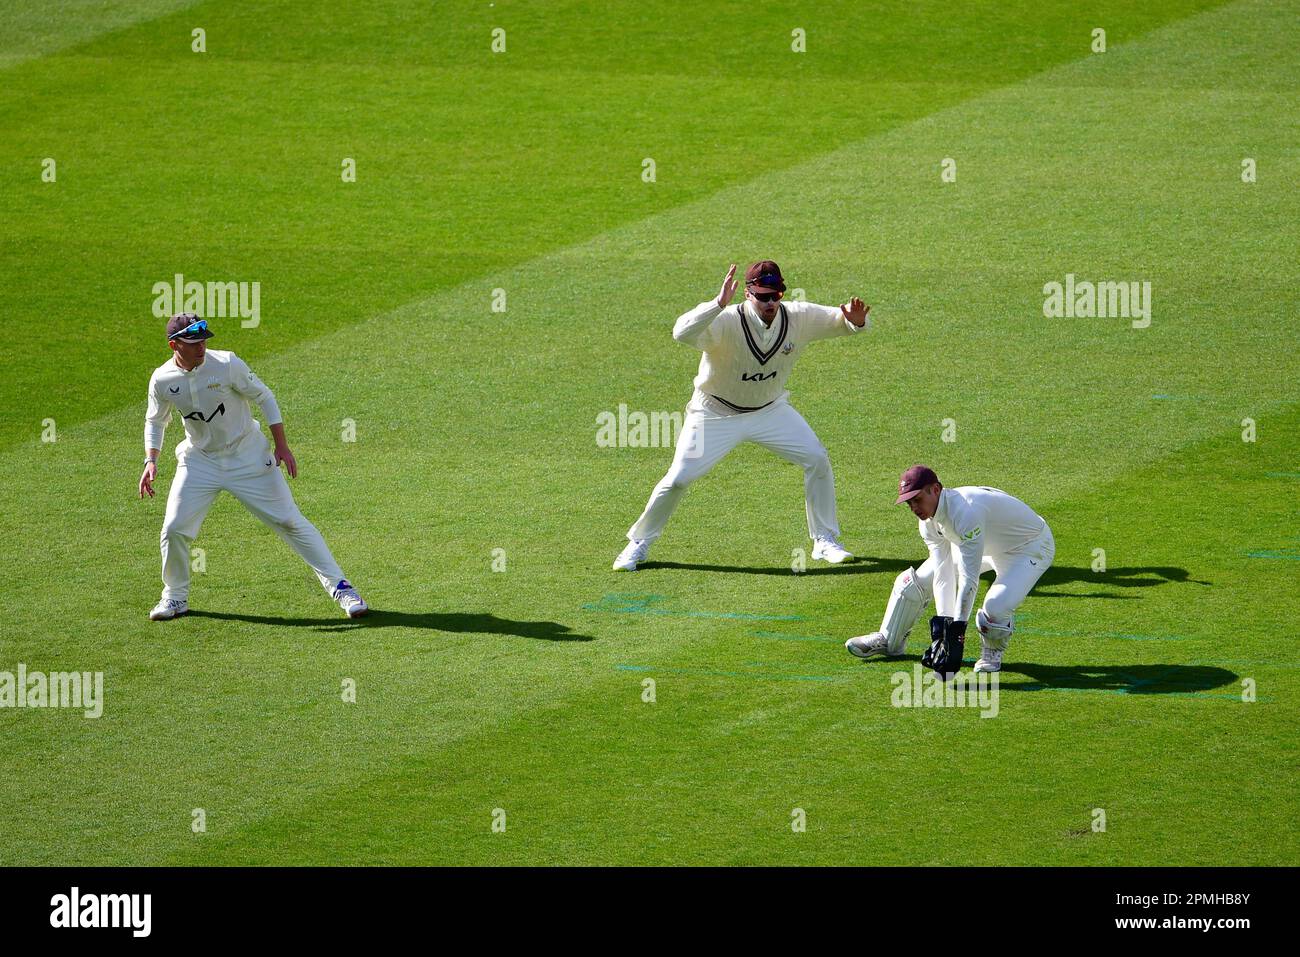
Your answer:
<point x="264" y="492"/>
<point x="706" y="438"/>
<point x="1015" y="575"/>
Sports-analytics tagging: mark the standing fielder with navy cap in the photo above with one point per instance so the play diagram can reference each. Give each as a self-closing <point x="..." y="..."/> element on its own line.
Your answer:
<point x="223" y="450"/>
<point x="740" y="396"/>
<point x="967" y="530"/>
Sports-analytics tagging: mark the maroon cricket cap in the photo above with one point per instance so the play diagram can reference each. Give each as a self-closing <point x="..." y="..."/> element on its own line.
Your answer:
<point x="764" y="275"/>
<point x="913" y="480"/>
<point x="181" y="324"/>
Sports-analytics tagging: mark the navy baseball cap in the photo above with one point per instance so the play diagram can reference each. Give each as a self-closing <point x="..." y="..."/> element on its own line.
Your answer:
<point x="187" y="327"/>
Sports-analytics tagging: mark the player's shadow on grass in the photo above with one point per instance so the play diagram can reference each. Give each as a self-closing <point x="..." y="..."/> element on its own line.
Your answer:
<point x="1126" y="576"/>
<point x="1127" y="679"/>
<point x="452" y="621"/>
<point x="1121" y="577"/>
<point x="1124" y="679"/>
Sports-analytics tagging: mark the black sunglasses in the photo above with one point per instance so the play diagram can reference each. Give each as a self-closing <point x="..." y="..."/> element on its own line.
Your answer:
<point x="766" y="296"/>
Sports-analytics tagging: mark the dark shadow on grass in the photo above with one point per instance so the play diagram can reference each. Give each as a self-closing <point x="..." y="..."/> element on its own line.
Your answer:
<point x="1120" y="577"/>
<point x="451" y="621"/>
<point x="1126" y="679"/>
<point x="1132" y="576"/>
<point x="1130" y="679"/>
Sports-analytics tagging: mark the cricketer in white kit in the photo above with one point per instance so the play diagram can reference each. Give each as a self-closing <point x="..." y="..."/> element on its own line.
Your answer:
<point x="223" y="450"/>
<point x="967" y="530"/>
<point x="749" y="351"/>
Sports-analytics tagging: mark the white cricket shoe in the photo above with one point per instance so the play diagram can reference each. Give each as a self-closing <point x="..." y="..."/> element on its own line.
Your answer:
<point x="352" y="604"/>
<point x="632" y="556"/>
<point x="169" y="608"/>
<point x="990" y="660"/>
<point x="829" y="550"/>
<point x="874" y="645"/>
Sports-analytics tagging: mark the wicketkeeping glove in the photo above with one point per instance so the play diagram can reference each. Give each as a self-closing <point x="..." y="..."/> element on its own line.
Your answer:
<point x="947" y="646"/>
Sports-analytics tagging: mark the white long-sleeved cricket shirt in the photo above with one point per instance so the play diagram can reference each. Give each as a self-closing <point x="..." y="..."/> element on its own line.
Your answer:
<point x="971" y="521"/>
<point x="213" y="401"/>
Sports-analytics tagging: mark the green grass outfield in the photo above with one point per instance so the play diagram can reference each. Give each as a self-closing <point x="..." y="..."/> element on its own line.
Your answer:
<point x="522" y="689"/>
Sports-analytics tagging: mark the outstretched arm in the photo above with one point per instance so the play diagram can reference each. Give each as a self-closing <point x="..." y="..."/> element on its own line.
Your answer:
<point x="826" y="322"/>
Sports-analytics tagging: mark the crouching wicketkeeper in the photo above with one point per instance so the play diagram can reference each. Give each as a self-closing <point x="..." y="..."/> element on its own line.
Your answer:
<point x="967" y="530"/>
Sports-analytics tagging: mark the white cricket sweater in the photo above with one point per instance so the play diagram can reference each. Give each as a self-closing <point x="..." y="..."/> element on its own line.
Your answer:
<point x="746" y="363"/>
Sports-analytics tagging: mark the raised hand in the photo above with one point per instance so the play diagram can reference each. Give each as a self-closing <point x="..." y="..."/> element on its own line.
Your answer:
<point x="856" y="312"/>
<point x="728" y="287"/>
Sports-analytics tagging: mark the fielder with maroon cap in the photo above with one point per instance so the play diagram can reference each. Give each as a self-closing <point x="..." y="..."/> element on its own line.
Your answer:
<point x="740" y="396"/>
<point x="968" y="530"/>
<point x="223" y="450"/>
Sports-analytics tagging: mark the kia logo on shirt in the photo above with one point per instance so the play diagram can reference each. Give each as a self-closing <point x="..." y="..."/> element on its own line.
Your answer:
<point x="757" y="376"/>
<point x="221" y="410"/>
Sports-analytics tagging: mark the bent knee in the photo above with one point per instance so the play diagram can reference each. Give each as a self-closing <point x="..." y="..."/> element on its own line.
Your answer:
<point x="291" y="524"/>
<point x="679" y="478"/>
<point x="908" y="578"/>
<point x="998" y="610"/>
<point x="818" y="461"/>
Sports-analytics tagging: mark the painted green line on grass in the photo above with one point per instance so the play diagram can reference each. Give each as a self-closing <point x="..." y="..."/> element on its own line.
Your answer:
<point x="1248" y="661"/>
<point x="786" y="636"/>
<point x="1118" y="635"/>
<point x="627" y="604"/>
<point x="1291" y="555"/>
<point x="715" y="673"/>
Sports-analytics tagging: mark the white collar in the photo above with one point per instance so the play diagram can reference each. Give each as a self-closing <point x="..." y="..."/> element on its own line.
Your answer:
<point x="940" y="509"/>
